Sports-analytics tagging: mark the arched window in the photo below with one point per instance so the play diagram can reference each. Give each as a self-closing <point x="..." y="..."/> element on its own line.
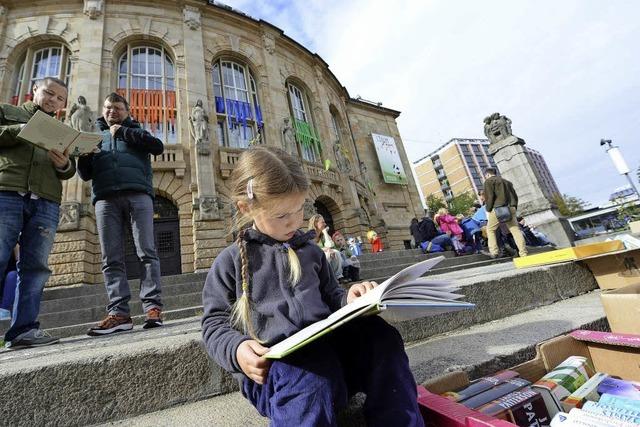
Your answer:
<point x="306" y="135"/>
<point x="146" y="77"/>
<point x="40" y="61"/>
<point x="335" y="129"/>
<point x="237" y="107"/>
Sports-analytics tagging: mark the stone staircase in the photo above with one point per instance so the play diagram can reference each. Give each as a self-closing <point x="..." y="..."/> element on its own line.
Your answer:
<point x="85" y="381"/>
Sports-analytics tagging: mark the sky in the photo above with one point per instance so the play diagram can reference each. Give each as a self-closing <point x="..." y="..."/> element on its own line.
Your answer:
<point x="567" y="73"/>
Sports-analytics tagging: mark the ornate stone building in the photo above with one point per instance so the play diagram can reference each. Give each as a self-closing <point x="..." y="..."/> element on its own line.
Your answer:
<point x="255" y="86"/>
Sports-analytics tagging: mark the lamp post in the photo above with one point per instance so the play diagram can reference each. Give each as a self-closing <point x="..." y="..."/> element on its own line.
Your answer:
<point x="618" y="162"/>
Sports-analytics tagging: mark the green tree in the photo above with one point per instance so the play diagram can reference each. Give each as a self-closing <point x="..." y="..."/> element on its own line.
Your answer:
<point x="461" y="204"/>
<point x="434" y="203"/>
<point x="568" y="205"/>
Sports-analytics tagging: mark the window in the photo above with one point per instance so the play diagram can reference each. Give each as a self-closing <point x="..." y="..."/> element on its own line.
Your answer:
<point x="306" y="135"/>
<point x="237" y="107"/>
<point x="335" y="128"/>
<point x="39" y="62"/>
<point x="146" y="77"/>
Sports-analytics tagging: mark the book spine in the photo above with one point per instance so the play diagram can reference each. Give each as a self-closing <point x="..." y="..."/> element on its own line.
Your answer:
<point x="481" y="385"/>
<point x="498" y="391"/>
<point x="588" y="391"/>
<point x="508" y="401"/>
<point x="532" y="413"/>
<point x="597" y="420"/>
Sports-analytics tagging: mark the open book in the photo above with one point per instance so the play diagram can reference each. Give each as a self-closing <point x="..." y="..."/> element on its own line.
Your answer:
<point x="403" y="296"/>
<point x="50" y="133"/>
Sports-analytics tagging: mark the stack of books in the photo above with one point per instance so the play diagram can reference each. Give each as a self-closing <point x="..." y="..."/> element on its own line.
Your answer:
<point x="572" y="394"/>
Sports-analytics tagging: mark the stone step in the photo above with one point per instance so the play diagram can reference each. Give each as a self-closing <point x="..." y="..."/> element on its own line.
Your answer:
<point x="146" y="370"/>
<point x="460" y="262"/>
<point x="410" y="258"/>
<point x="479" y="350"/>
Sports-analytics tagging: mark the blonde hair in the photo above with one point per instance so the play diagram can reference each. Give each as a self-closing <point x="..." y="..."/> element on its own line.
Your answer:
<point x="312" y="225"/>
<point x="261" y="175"/>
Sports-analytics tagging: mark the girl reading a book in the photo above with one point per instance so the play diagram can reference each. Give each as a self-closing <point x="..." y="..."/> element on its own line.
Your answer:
<point x="274" y="281"/>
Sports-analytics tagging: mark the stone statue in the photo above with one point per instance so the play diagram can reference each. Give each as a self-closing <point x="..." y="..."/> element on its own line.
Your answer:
<point x="199" y="128"/>
<point x="288" y="137"/>
<point x="497" y="128"/>
<point x="342" y="162"/>
<point x="81" y="116"/>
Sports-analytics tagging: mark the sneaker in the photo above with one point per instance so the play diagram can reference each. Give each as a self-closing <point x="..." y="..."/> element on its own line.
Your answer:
<point x="5" y="314"/>
<point x="111" y="324"/>
<point x="32" y="338"/>
<point x="154" y="318"/>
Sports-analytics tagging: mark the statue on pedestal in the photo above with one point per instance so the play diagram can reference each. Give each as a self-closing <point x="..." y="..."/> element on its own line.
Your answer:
<point x="199" y="128"/>
<point x="81" y="117"/>
<point x="288" y="138"/>
<point x="497" y="127"/>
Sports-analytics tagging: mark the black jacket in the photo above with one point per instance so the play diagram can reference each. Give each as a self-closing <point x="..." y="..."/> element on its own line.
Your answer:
<point x="123" y="163"/>
<point x="427" y="230"/>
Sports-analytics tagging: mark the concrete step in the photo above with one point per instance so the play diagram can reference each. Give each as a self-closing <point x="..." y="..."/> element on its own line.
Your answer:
<point x="459" y="262"/>
<point x="409" y="257"/>
<point x="479" y="350"/>
<point x="146" y="370"/>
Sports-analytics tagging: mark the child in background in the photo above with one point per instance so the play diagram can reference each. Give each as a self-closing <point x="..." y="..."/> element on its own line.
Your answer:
<point x="328" y="246"/>
<point x="272" y="282"/>
<point x="350" y="263"/>
<point x="374" y="239"/>
<point x="449" y="224"/>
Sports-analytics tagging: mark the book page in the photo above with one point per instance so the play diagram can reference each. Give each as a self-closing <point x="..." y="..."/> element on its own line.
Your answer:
<point x="84" y="143"/>
<point x="47" y="132"/>
<point x="413" y="271"/>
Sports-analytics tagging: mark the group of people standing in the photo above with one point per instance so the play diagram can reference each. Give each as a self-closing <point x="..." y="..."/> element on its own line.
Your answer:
<point x="30" y="196"/>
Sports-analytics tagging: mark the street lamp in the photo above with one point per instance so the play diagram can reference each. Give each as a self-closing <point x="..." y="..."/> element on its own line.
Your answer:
<point x="618" y="162"/>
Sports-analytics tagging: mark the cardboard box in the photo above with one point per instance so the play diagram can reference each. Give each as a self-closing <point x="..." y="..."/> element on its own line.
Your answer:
<point x="622" y="307"/>
<point x="568" y="254"/>
<point x="615" y="270"/>
<point x="612" y="353"/>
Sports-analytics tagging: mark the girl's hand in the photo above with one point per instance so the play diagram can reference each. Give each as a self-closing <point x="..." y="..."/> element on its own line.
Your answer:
<point x="249" y="355"/>
<point x="359" y="289"/>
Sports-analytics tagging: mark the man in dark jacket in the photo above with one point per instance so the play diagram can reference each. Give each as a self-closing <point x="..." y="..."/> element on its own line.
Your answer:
<point x="499" y="192"/>
<point x="30" y="194"/>
<point x="123" y="191"/>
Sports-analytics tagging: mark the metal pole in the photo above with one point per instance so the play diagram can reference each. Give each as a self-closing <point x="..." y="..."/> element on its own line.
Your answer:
<point x="633" y="185"/>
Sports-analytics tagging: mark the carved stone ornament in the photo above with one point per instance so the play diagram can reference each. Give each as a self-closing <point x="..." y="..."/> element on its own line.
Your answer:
<point x="309" y="209"/>
<point x="69" y="216"/>
<point x="93" y="8"/>
<point x="342" y="159"/>
<point x="497" y="127"/>
<point x="3" y="10"/>
<point x="203" y="148"/>
<point x="192" y="17"/>
<point x="208" y="208"/>
<point x="269" y="43"/>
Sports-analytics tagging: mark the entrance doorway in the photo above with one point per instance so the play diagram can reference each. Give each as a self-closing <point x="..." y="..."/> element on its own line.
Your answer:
<point x="322" y="209"/>
<point x="166" y="230"/>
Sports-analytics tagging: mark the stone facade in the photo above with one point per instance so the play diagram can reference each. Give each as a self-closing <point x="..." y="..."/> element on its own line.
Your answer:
<point x="196" y="37"/>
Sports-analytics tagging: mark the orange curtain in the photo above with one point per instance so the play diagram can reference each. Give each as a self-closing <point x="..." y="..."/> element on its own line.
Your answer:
<point x="147" y="107"/>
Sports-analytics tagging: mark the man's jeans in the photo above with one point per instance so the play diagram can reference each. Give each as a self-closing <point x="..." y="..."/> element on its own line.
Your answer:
<point x="443" y="241"/>
<point x="112" y="216"/>
<point x="33" y="224"/>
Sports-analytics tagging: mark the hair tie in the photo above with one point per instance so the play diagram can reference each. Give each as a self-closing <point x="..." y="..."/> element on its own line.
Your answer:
<point x="245" y="287"/>
<point x="250" y="189"/>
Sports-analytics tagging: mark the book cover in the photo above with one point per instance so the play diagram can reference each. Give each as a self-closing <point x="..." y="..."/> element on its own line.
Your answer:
<point x="403" y="296"/>
<point x="622" y="388"/>
<point x="579" y="417"/>
<point x="51" y="134"/>
<point x="619" y="413"/>
<point x="622" y="402"/>
<point x="494" y="393"/>
<point x="524" y="407"/>
<point x="565" y="379"/>
<point x="480" y="385"/>
<point x="587" y="391"/>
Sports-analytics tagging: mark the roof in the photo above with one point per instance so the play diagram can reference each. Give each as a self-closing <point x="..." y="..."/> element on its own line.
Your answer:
<point x="479" y="141"/>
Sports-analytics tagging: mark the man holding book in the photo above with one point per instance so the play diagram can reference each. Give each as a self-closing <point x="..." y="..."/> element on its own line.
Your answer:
<point x="123" y="194"/>
<point x="30" y="195"/>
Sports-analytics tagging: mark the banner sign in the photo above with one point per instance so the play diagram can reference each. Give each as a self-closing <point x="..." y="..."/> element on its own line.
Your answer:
<point x="389" y="159"/>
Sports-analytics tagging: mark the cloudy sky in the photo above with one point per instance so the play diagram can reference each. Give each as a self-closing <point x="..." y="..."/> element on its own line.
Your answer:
<point x="566" y="72"/>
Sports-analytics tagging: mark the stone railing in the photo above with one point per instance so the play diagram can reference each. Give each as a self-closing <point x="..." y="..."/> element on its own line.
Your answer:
<point x="228" y="159"/>
<point x="318" y="174"/>
<point x="172" y="158"/>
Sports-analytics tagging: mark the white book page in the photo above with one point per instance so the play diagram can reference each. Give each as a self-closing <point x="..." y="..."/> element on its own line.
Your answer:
<point x="47" y="132"/>
<point x="422" y="295"/>
<point x="84" y="143"/>
<point x="413" y="272"/>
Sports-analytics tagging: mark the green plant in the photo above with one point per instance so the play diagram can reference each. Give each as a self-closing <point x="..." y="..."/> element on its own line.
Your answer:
<point x="568" y="205"/>
<point x="461" y="204"/>
<point x="434" y="203"/>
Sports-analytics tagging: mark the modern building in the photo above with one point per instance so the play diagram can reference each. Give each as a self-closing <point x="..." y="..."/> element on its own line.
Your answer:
<point x="257" y="85"/>
<point x="454" y="168"/>
<point x="457" y="167"/>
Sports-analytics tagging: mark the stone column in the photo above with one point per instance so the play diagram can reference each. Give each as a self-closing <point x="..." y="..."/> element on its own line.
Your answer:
<point x="509" y="153"/>
<point x="75" y="257"/>
<point x="207" y="219"/>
